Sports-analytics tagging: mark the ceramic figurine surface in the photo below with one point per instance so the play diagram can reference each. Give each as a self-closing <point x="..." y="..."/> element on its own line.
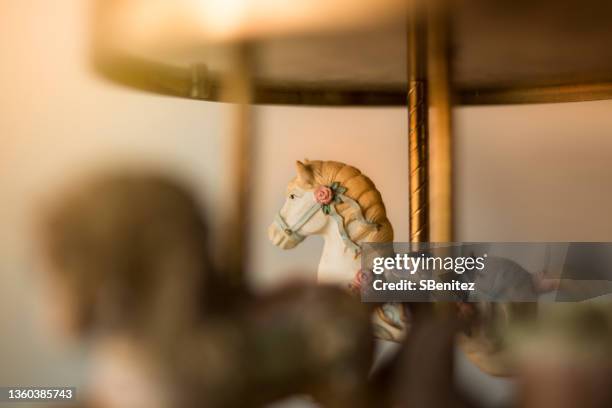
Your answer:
<point x="337" y="202"/>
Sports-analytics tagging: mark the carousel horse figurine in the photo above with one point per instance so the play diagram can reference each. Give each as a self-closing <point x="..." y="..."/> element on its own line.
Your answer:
<point x="339" y="203"/>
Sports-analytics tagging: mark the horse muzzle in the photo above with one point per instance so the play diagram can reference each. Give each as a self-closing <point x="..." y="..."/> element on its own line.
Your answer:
<point x="285" y="239"/>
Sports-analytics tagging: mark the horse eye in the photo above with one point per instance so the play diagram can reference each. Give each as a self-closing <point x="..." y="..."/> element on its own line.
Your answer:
<point x="292" y="196"/>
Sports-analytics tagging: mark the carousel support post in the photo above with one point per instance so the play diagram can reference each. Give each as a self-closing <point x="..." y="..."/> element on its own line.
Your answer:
<point x="440" y="136"/>
<point x="418" y="130"/>
<point x="237" y="86"/>
<point x="429" y="137"/>
<point x="418" y="141"/>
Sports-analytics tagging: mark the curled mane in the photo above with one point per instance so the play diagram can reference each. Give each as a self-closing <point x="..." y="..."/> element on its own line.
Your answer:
<point x="361" y="189"/>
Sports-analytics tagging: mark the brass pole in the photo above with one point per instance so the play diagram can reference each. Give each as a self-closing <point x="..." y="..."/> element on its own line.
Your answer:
<point x="430" y="182"/>
<point x="237" y="87"/>
<point x="418" y="130"/>
<point x="440" y="136"/>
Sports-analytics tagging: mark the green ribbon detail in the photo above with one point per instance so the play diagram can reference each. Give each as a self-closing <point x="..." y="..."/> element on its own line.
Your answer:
<point x="330" y="209"/>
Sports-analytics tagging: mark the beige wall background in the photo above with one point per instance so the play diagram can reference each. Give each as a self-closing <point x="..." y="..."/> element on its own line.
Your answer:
<point x="525" y="173"/>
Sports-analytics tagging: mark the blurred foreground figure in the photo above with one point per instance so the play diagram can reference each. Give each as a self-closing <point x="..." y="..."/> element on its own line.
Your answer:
<point x="421" y="375"/>
<point x="565" y="358"/>
<point x="129" y="268"/>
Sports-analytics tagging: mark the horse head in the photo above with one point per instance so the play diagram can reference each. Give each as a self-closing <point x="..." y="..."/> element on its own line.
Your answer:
<point x="325" y="192"/>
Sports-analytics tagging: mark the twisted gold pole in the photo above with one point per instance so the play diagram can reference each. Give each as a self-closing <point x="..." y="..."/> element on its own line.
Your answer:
<point x="418" y="162"/>
<point x="418" y="131"/>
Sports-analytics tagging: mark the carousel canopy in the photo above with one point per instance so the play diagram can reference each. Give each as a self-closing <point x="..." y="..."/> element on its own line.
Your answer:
<point x="354" y="52"/>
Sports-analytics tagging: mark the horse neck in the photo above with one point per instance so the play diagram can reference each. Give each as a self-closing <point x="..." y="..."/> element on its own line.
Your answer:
<point x="338" y="264"/>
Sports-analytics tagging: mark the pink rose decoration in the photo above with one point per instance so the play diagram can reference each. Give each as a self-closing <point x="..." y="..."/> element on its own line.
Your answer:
<point x="323" y="195"/>
<point x="360" y="279"/>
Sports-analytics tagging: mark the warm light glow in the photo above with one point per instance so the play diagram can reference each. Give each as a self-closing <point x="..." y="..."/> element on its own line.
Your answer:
<point x="221" y="18"/>
<point x="172" y="24"/>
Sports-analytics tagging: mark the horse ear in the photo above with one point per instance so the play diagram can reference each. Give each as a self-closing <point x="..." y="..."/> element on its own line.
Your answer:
<point x="304" y="173"/>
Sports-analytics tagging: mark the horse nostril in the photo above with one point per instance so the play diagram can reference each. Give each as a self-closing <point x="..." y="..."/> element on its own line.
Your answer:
<point x="288" y="231"/>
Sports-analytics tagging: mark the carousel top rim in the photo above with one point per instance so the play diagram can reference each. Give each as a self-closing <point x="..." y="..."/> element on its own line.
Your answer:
<point x="190" y="82"/>
<point x="541" y="51"/>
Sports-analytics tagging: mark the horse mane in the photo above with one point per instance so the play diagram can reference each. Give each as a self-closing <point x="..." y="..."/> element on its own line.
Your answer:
<point x="361" y="189"/>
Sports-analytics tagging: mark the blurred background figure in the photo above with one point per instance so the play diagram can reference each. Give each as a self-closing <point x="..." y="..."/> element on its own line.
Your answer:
<point x="128" y="269"/>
